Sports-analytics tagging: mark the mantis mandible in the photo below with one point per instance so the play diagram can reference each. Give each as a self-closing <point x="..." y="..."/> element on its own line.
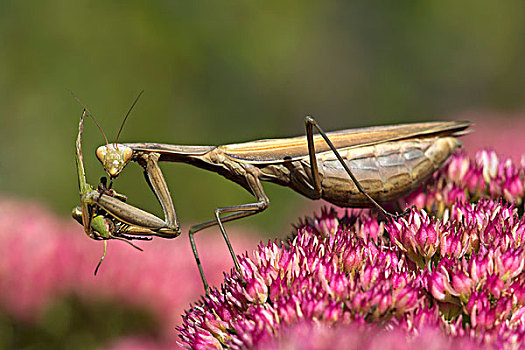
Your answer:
<point x="349" y="168"/>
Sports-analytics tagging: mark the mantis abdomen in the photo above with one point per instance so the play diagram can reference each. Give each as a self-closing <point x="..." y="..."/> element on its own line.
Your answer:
<point x="386" y="171"/>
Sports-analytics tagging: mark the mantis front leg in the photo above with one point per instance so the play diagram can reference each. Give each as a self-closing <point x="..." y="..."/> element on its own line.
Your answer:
<point x="137" y="221"/>
<point x="157" y="183"/>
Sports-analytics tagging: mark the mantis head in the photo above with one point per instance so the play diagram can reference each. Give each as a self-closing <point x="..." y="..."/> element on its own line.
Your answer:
<point x="114" y="157"/>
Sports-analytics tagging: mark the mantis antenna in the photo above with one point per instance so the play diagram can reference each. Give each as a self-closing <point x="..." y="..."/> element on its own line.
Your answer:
<point x="127" y="115"/>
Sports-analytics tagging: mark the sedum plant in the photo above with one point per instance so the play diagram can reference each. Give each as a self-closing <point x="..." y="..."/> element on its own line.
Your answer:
<point x="447" y="275"/>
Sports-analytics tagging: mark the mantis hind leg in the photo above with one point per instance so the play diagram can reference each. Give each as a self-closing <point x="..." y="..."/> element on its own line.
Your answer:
<point x="235" y="212"/>
<point x="310" y="123"/>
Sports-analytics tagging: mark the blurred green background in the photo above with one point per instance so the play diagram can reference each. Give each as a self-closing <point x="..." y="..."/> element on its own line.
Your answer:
<point x="219" y="72"/>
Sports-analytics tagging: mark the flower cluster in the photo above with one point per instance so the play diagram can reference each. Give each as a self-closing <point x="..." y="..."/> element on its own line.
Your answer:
<point x="465" y="179"/>
<point x="454" y="280"/>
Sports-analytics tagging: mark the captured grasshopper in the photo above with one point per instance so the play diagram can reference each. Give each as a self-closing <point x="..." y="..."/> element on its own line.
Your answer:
<point x="349" y="168"/>
<point x="99" y="224"/>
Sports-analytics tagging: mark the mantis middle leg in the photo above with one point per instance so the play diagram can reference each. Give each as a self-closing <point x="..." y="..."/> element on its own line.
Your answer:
<point x="236" y="212"/>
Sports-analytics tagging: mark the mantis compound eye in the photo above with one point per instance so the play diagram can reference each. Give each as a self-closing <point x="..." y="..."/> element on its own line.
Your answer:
<point x="114" y="158"/>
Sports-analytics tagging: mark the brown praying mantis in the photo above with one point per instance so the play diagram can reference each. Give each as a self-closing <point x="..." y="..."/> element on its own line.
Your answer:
<point x="349" y="168"/>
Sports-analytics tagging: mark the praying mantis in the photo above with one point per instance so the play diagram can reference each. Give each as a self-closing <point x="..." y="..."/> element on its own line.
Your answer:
<point x="349" y="168"/>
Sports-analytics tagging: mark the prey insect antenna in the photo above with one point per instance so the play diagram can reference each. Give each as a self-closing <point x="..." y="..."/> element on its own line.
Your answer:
<point x="127" y="115"/>
<point x="89" y="113"/>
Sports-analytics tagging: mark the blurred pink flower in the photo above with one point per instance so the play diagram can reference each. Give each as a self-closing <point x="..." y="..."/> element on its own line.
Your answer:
<point x="500" y="132"/>
<point x="43" y="258"/>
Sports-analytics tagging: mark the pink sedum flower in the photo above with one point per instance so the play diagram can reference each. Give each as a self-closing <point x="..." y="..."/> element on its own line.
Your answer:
<point x="463" y="179"/>
<point x="447" y="277"/>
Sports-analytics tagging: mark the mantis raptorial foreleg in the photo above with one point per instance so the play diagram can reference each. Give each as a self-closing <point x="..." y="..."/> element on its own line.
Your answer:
<point x="112" y="206"/>
<point x="157" y="183"/>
